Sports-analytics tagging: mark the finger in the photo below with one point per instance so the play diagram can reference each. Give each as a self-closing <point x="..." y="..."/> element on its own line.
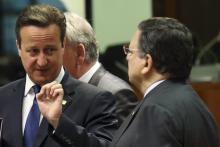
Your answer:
<point x="58" y="92"/>
<point x="54" y="87"/>
<point x="40" y="96"/>
<point x="47" y="87"/>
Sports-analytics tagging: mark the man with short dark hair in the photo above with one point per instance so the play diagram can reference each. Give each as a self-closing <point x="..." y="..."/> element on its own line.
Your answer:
<point x="49" y="108"/>
<point x="171" y="114"/>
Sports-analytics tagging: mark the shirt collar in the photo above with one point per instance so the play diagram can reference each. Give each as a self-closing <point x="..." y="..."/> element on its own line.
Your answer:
<point x="152" y="87"/>
<point x="29" y="84"/>
<point x="88" y="75"/>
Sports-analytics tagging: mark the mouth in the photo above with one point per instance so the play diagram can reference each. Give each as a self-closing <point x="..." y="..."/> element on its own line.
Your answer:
<point x="42" y="70"/>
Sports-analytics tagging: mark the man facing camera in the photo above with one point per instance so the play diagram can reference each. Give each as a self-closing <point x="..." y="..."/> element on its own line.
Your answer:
<point x="49" y="108"/>
<point x="81" y="60"/>
<point x="171" y="114"/>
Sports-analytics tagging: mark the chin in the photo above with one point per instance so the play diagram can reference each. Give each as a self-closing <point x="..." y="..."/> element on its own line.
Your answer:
<point x="130" y="80"/>
<point x="40" y="80"/>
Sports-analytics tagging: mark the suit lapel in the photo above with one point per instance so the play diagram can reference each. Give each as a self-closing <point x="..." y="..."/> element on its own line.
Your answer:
<point x="97" y="76"/>
<point x="69" y="90"/>
<point x="67" y="100"/>
<point x="42" y="133"/>
<point x="126" y="123"/>
<point x="44" y="129"/>
<point x="129" y="119"/>
<point x="16" y="103"/>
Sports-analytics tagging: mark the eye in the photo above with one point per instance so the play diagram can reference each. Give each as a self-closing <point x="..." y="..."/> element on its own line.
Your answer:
<point x="33" y="51"/>
<point x="49" y="51"/>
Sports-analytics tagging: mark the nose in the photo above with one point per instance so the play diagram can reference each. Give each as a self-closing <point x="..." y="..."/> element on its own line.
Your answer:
<point x="42" y="59"/>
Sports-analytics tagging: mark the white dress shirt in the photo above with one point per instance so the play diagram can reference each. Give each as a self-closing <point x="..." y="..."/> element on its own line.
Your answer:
<point x="88" y="75"/>
<point x="152" y="87"/>
<point x="29" y="97"/>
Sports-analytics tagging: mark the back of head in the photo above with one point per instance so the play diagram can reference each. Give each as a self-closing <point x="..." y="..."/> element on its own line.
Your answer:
<point x="41" y="16"/>
<point x="78" y="30"/>
<point x="170" y="44"/>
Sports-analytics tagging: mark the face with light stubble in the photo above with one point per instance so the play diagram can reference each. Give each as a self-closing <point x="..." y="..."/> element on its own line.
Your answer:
<point x="41" y="52"/>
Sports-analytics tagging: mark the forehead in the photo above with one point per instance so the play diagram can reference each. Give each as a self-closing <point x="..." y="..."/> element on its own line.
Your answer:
<point x="36" y="32"/>
<point x="135" y="39"/>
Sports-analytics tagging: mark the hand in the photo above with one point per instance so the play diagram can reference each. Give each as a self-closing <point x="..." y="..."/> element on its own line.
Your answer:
<point x="50" y="102"/>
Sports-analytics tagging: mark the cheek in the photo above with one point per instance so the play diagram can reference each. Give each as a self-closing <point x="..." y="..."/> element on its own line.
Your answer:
<point x="130" y="62"/>
<point x="28" y="63"/>
<point x="69" y="57"/>
<point x="67" y="53"/>
<point x="66" y="58"/>
<point x="130" y="68"/>
<point x="133" y="66"/>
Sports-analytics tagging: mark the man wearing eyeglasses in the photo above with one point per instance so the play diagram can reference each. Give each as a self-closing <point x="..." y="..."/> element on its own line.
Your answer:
<point x="171" y="114"/>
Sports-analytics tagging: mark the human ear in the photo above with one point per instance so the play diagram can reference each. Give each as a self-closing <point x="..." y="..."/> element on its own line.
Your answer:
<point x="147" y="64"/>
<point x="18" y="47"/>
<point x="81" y="54"/>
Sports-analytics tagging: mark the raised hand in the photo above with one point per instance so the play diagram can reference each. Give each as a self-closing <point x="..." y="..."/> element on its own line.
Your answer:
<point x="50" y="102"/>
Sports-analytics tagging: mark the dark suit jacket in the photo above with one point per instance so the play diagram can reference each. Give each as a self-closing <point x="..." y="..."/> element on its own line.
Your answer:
<point x="171" y="115"/>
<point x="126" y="100"/>
<point x="87" y="119"/>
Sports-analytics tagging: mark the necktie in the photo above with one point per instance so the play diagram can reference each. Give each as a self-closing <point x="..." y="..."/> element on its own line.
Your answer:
<point x="32" y="123"/>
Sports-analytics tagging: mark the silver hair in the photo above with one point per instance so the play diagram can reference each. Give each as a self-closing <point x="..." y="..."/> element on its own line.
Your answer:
<point x="78" y="30"/>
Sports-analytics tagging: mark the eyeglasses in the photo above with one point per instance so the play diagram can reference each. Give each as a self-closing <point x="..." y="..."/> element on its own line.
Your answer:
<point x="128" y="50"/>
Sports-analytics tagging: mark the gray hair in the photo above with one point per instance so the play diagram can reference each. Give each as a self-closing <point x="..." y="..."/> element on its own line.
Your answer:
<point x="78" y="30"/>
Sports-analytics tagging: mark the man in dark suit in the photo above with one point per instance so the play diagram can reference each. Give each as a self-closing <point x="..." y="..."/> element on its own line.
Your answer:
<point x="171" y="114"/>
<point x="81" y="60"/>
<point x="66" y="112"/>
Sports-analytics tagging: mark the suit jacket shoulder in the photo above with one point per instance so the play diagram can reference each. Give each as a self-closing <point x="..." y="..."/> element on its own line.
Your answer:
<point x="126" y="100"/>
<point x="105" y="80"/>
<point x="89" y="114"/>
<point x="87" y="119"/>
<point x="171" y="114"/>
<point x="11" y="101"/>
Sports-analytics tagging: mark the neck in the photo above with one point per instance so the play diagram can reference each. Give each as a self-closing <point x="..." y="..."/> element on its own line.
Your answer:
<point x="149" y="81"/>
<point x="85" y="67"/>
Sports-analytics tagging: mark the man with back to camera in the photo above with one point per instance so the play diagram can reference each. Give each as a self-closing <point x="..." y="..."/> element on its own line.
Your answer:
<point x="170" y="114"/>
<point x="65" y="112"/>
<point x="81" y="60"/>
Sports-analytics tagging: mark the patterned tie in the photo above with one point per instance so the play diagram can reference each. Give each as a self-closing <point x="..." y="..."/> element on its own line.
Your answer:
<point x="32" y="123"/>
